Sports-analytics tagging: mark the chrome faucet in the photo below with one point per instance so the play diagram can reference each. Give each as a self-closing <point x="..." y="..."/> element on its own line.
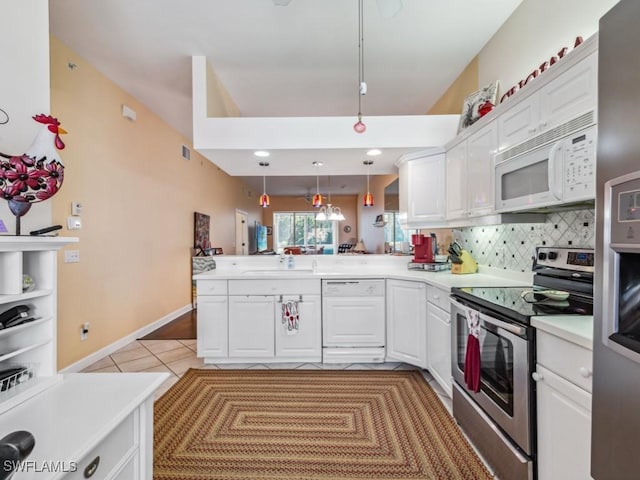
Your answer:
<point x="314" y="265"/>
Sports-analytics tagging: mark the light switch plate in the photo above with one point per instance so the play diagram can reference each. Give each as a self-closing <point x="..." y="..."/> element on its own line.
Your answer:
<point x="76" y="208"/>
<point x="74" y="223"/>
<point x="71" y="256"/>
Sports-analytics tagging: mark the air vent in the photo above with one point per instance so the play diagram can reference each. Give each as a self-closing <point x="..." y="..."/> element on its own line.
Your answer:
<point x="560" y="131"/>
<point x="186" y="153"/>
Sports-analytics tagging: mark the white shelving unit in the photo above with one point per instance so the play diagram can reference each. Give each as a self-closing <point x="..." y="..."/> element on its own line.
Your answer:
<point x="31" y="344"/>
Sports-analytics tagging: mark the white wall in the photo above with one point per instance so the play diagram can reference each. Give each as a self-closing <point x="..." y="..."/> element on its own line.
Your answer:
<point x="537" y="30"/>
<point x="24" y="88"/>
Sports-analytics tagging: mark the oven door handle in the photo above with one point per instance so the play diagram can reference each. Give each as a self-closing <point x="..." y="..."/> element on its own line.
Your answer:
<point x="493" y="324"/>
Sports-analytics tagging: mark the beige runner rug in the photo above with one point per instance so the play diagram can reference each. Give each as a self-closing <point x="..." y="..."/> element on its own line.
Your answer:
<point x="308" y="424"/>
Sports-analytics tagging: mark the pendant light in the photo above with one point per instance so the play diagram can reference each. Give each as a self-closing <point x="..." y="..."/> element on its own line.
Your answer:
<point x="264" y="198"/>
<point x="367" y="200"/>
<point x="359" y="126"/>
<point x="317" y="198"/>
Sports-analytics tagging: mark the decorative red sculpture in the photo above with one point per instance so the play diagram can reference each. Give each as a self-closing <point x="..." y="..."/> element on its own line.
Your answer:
<point x="37" y="174"/>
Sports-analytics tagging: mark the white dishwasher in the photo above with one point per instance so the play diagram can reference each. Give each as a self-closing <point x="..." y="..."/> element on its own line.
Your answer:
<point x="353" y="321"/>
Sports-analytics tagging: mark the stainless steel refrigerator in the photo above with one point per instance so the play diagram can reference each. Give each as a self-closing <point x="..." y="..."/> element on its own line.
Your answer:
<point x="615" y="437"/>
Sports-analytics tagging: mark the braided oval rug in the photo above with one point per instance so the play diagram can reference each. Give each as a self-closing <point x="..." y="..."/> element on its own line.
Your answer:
<point x="308" y="424"/>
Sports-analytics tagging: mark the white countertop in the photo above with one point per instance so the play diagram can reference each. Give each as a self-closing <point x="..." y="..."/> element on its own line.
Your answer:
<point x="445" y="280"/>
<point x="70" y="418"/>
<point x="577" y="329"/>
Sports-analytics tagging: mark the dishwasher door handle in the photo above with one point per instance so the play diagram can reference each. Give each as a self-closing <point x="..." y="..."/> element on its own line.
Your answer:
<point x="346" y="282"/>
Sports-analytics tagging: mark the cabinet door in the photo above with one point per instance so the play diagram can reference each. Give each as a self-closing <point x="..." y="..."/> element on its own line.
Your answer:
<point x="251" y="326"/>
<point x="481" y="147"/>
<point x="519" y="123"/>
<point x="305" y="343"/>
<point x="426" y="190"/>
<point x="564" y="428"/>
<point x="571" y="94"/>
<point x="353" y="321"/>
<point x="439" y="346"/>
<point x="456" y="159"/>
<point x="212" y="326"/>
<point x="407" y="322"/>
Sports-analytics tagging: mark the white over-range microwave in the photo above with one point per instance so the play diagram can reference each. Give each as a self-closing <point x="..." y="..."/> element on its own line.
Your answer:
<point x="563" y="171"/>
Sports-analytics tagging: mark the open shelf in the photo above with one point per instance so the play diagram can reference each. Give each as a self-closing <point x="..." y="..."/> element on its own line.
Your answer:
<point x="14" y="330"/>
<point x="20" y="351"/>
<point x="24" y="296"/>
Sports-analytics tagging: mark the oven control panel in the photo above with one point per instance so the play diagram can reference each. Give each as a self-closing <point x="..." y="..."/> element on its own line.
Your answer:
<point x="580" y="259"/>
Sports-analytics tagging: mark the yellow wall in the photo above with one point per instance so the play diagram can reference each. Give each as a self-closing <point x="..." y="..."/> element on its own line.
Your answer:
<point x="451" y="101"/>
<point x="347" y="204"/>
<point x="138" y="196"/>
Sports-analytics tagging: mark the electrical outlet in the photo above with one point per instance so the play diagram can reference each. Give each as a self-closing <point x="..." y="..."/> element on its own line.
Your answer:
<point x="84" y="331"/>
<point x="71" y="256"/>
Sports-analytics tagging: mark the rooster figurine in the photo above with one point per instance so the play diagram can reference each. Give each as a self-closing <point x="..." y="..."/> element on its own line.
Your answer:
<point x="37" y="174"/>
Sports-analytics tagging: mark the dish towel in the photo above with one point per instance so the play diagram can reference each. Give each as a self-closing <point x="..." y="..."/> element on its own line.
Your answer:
<point x="290" y="317"/>
<point x="472" y="357"/>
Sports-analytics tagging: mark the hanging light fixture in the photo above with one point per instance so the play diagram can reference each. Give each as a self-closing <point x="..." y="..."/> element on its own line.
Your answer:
<point x="264" y="198"/>
<point x="359" y="126"/>
<point x="329" y="212"/>
<point x="317" y="198"/>
<point x="367" y="200"/>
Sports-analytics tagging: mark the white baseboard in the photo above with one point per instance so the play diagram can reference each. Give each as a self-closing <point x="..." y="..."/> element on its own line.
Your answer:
<point x="109" y="349"/>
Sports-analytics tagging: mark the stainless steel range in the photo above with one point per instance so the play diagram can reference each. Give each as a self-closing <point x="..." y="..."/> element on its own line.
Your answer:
<point x="498" y="415"/>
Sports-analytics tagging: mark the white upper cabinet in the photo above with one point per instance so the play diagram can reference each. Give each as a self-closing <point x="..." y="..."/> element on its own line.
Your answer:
<point x="456" y="181"/>
<point x="422" y="189"/>
<point x="568" y="96"/>
<point x="470" y="174"/>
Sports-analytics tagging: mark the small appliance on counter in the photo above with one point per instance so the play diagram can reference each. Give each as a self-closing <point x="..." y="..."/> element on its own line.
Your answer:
<point x="422" y="248"/>
<point x="462" y="261"/>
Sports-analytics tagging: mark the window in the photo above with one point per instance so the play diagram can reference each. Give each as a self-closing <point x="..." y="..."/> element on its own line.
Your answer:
<point x="302" y="229"/>
<point x="394" y="235"/>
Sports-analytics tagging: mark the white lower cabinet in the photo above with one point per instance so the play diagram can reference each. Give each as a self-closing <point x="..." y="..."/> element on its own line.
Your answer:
<point x="439" y="336"/>
<point x="303" y="343"/>
<point x="407" y="322"/>
<point x="213" y="319"/>
<point x="563" y="409"/>
<point x="251" y="319"/>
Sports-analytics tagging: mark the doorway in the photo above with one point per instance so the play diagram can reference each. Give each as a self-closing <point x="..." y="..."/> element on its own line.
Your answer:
<point x="242" y="233"/>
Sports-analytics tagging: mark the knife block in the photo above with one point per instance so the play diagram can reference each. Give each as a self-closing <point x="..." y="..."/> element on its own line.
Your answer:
<point x="468" y="264"/>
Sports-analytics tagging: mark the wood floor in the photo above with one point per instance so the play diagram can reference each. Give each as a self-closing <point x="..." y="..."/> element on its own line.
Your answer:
<point x="182" y="328"/>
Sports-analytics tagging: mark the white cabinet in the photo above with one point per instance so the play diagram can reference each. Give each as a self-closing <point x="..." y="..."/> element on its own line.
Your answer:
<point x="251" y="323"/>
<point x="569" y="95"/>
<point x="407" y="322"/>
<point x="422" y="189"/>
<point x="470" y="174"/>
<point x="31" y="345"/>
<point x="213" y="316"/>
<point x="243" y="322"/>
<point x="305" y="342"/>
<point x="563" y="408"/>
<point x="439" y="336"/>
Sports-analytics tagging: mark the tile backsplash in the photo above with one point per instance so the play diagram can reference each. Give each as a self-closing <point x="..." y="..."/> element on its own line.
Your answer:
<point x="512" y="246"/>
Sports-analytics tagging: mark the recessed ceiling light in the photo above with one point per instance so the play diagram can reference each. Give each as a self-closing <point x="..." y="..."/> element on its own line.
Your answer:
<point x="374" y="152"/>
<point x="261" y="153"/>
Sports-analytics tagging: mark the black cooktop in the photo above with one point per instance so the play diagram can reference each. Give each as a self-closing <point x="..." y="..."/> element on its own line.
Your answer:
<point x="508" y="301"/>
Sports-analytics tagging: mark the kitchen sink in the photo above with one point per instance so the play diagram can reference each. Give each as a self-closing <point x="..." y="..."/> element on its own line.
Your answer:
<point x="295" y="271"/>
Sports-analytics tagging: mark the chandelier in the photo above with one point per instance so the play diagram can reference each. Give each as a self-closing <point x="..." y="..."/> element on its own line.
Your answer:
<point x="329" y="212"/>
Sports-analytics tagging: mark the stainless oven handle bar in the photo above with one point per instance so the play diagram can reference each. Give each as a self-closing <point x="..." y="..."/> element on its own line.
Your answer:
<point x="494" y="322"/>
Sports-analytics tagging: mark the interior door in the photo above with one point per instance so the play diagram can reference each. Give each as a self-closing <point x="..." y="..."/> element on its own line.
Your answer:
<point x="242" y="233"/>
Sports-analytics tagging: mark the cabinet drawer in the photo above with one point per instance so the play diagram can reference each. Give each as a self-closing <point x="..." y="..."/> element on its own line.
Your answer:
<point x="570" y="361"/>
<point x="212" y="287"/>
<point x="274" y="287"/>
<point x="439" y="297"/>
<point x="130" y="470"/>
<point x="111" y="451"/>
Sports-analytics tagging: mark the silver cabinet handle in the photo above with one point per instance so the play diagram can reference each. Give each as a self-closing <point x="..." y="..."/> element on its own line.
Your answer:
<point x="92" y="467"/>
<point x="538" y="377"/>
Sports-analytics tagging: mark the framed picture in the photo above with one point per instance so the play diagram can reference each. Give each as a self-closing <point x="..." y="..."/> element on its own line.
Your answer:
<point x="471" y="107"/>
<point x="269" y="230"/>
<point x="201" y="228"/>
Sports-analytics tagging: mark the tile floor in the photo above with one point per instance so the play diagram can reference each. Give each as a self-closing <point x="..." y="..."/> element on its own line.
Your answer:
<point x="177" y="356"/>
